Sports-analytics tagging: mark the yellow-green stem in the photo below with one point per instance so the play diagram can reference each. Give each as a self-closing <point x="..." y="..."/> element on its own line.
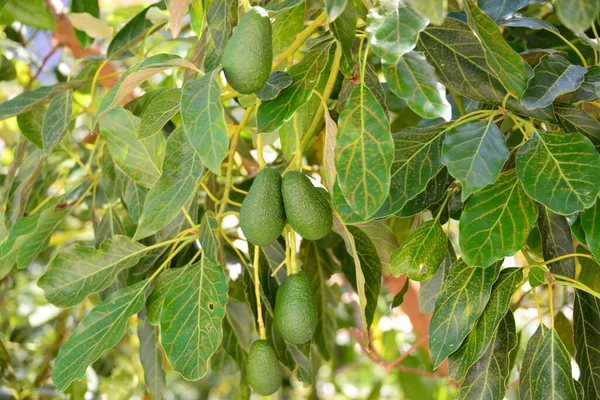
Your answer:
<point x="261" y="325"/>
<point x="571" y="45"/>
<point x="259" y="151"/>
<point x="300" y="39"/>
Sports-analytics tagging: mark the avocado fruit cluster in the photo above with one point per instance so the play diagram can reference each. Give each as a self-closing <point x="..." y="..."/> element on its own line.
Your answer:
<point x="272" y="201"/>
<point x="248" y="55"/>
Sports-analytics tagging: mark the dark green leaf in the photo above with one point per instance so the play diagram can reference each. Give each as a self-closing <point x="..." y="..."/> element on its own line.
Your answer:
<point x="434" y="192"/>
<point x="30" y="123"/>
<point x="277" y="81"/>
<point x="577" y="15"/>
<point x="486" y="379"/>
<point x="99" y="331"/>
<point x="476" y="343"/>
<point x="463" y="297"/>
<point x="151" y="356"/>
<point x="590" y="220"/>
<point x="529" y="22"/>
<point x="422" y="253"/>
<point x="335" y="8"/>
<point x="364" y="152"/>
<point x="182" y="169"/>
<point x="7" y="69"/>
<point x="474" y="154"/>
<point x="574" y="119"/>
<point x="500" y="9"/>
<point x="496" y="221"/>
<point x="429" y="289"/>
<point x="221" y="16"/>
<point x="590" y="88"/>
<point x="191" y="317"/>
<point x="130" y="34"/>
<point x="399" y="297"/>
<point x="30" y="100"/>
<point x="556" y="241"/>
<point x="109" y="226"/>
<point x="564" y="328"/>
<point x="586" y="320"/>
<point x="156" y="299"/>
<point x="306" y="74"/>
<point x="552" y="77"/>
<point x="434" y="10"/>
<point x="414" y="80"/>
<point x="286" y="26"/>
<point x="159" y="111"/>
<point x="344" y="30"/>
<point x="208" y="236"/>
<point x="56" y="120"/>
<point x="560" y="170"/>
<point x="79" y="271"/>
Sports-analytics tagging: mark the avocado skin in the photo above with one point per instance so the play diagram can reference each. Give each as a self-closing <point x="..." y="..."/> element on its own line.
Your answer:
<point x="295" y="314"/>
<point x="262" y="217"/>
<point x="248" y="55"/>
<point x="307" y="210"/>
<point x="263" y="370"/>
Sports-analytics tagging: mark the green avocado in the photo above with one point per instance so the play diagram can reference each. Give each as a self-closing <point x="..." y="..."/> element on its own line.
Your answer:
<point x="307" y="210"/>
<point x="263" y="370"/>
<point x="262" y="217"/>
<point x="248" y="55"/>
<point x="295" y="314"/>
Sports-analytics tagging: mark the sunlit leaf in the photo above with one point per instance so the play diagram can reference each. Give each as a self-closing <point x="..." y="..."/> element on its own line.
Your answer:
<point x="130" y="34"/>
<point x="208" y="236"/>
<point x="156" y="299"/>
<point x="430" y="289"/>
<point x="577" y="15"/>
<point x="177" y="10"/>
<point x="31" y="99"/>
<point x="586" y="322"/>
<point x="556" y="241"/>
<point x="530" y="23"/>
<point x="159" y="111"/>
<point x="500" y="9"/>
<point x="560" y="170"/>
<point x="286" y="26"/>
<point x="277" y="81"/>
<point x="496" y="221"/>
<point x="335" y="8"/>
<point x="434" y="10"/>
<point x="474" y="154"/>
<point x="574" y="119"/>
<point x="56" y="120"/>
<point x="463" y="297"/>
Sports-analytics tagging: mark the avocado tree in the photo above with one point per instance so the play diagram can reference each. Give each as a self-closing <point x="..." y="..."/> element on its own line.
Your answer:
<point x="305" y="199"/>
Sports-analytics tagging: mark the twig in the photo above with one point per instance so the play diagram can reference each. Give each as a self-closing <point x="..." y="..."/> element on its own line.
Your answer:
<point x="41" y="67"/>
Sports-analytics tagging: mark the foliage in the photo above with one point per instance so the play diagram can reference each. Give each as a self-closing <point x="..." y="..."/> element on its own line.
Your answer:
<point x="458" y="145"/>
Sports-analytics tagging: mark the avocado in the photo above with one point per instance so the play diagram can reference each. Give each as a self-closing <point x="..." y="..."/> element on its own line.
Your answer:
<point x="262" y="217"/>
<point x="307" y="210"/>
<point x="263" y="370"/>
<point x="248" y="55"/>
<point x="295" y="314"/>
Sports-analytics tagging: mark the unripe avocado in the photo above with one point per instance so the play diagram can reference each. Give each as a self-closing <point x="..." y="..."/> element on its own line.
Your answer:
<point x="263" y="369"/>
<point x="295" y="314"/>
<point x="248" y="55"/>
<point x="262" y="217"/>
<point x="307" y="210"/>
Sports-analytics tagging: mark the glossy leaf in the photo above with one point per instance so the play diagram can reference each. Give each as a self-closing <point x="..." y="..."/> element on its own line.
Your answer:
<point x="286" y="26"/>
<point x="590" y="220"/>
<point x="500" y="9"/>
<point x="474" y="346"/>
<point x="140" y="159"/>
<point x="586" y="323"/>
<point x="209" y="236"/>
<point x="30" y="100"/>
<point x="496" y="221"/>
<point x="422" y="253"/>
<point x="159" y="111"/>
<point x="574" y="119"/>
<point x="552" y="77"/>
<point x="434" y="192"/>
<point x="181" y="170"/>
<point x="434" y="10"/>
<point x="577" y="15"/>
<point x="131" y="33"/>
<point x="99" y="331"/>
<point x="414" y="80"/>
<point x="306" y="74"/>
<point x="220" y="18"/>
<point x="364" y="152"/>
<point x="393" y="29"/>
<point x="590" y="88"/>
<point x="486" y="379"/>
<point x="151" y="356"/>
<point x="507" y="64"/>
<point x="277" y="81"/>
<point x="191" y="318"/>
<point x="56" y="120"/>
<point x="560" y="170"/>
<point x="530" y="23"/>
<point x="556" y="241"/>
<point x="464" y="296"/>
<point x="430" y="289"/>
<point x="156" y="298"/>
<point x="78" y="271"/>
<point x="335" y="8"/>
<point x="474" y="154"/>
<point x="344" y="30"/>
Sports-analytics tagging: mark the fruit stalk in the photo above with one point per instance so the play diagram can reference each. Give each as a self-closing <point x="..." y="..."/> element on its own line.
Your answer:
<point x="300" y="39"/>
<point x="261" y="325"/>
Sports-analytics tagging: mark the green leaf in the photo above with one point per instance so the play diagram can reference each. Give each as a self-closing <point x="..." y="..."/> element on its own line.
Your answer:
<point x="434" y="10"/>
<point x="99" y="331"/>
<point x="306" y="74"/>
<point x="507" y="64"/>
<point x="474" y="154"/>
<point x="159" y="111"/>
<point x="136" y="75"/>
<point x="7" y="69"/>
<point x="364" y="151"/>
<point x="85" y="6"/>
<point x="434" y="192"/>
<point x="574" y="119"/>
<point x="191" y="317"/>
<point x="34" y="13"/>
<point x="286" y="26"/>
<point x="156" y="299"/>
<point x="586" y="320"/>
<point x="590" y="88"/>
<point x="56" y="120"/>
<point x="422" y="253"/>
<point x="556" y="241"/>
<point x="487" y="377"/>
<point x="500" y="9"/>
<point x="560" y="170"/>
<point x="429" y="289"/>
<point x="277" y="81"/>
<point x="393" y="29"/>
<point x="496" y="221"/>
<point x="78" y="271"/>
<point x="344" y="30"/>
<point x="546" y="371"/>
<point x="208" y="236"/>
<point x="151" y="356"/>
<point x="475" y="344"/>
<point x="414" y="80"/>
<point x="552" y="77"/>
<point x="204" y="120"/>
<point x="577" y="15"/>
<point x="417" y="160"/>
<point x="564" y="328"/>
<point x="130" y="34"/>
<point x="335" y="8"/>
<point x="529" y="22"/>
<point x="220" y="17"/>
<point x="109" y="226"/>
<point x="182" y="169"/>
<point x="317" y="265"/>
<point x="31" y="100"/>
<point x="463" y="297"/>
<point x="134" y="196"/>
<point x="30" y="123"/>
<point x="536" y="277"/>
<point x="140" y="159"/>
<point x="28" y="237"/>
<point x="283" y="5"/>
<point x="399" y="297"/>
<point x="590" y="220"/>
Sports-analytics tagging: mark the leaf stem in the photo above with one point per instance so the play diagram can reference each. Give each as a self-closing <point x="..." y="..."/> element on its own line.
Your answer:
<point x="255" y="265"/>
<point x="300" y="39"/>
<point x="259" y="151"/>
<point x="566" y="281"/>
<point x="571" y="45"/>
